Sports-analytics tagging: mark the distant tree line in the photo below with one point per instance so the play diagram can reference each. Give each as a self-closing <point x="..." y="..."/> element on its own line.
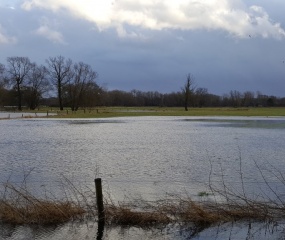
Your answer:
<point x="63" y="83"/>
<point x="200" y="97"/>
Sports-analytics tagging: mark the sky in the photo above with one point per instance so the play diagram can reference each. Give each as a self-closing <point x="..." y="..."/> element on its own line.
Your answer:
<point x="152" y="45"/>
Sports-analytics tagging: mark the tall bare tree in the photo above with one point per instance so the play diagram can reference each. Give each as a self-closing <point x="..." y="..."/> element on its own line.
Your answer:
<point x="248" y="99"/>
<point x="2" y="71"/>
<point x="92" y="96"/>
<point x="235" y="98"/>
<point x="17" y="72"/>
<point x="188" y="90"/>
<point x="60" y="74"/>
<point x="83" y="78"/>
<point x="37" y="85"/>
<point x="2" y="82"/>
<point x="201" y="96"/>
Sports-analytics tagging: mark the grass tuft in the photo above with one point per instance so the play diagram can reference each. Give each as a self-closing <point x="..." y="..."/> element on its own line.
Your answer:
<point x="120" y="215"/>
<point x="39" y="212"/>
<point x="18" y="206"/>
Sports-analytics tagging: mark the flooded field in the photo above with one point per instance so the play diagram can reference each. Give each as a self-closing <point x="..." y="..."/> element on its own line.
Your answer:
<point x="143" y="157"/>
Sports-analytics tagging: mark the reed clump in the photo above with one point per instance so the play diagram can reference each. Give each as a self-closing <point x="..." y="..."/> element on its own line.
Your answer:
<point x="39" y="212"/>
<point x="18" y="206"/>
<point x="21" y="207"/>
<point x="187" y="211"/>
<point x="211" y="213"/>
<point x="124" y="215"/>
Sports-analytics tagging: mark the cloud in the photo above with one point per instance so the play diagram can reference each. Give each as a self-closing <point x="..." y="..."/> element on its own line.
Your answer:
<point x="131" y="35"/>
<point x="4" y="39"/>
<point x="229" y="15"/>
<point x="47" y="32"/>
<point x="8" y="4"/>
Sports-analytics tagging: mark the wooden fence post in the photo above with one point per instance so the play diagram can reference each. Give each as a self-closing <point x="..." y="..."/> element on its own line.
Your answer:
<point x="99" y="198"/>
<point x="100" y="230"/>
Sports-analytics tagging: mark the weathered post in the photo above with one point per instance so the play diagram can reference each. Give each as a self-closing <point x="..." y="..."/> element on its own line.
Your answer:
<point x="100" y="230"/>
<point x="99" y="198"/>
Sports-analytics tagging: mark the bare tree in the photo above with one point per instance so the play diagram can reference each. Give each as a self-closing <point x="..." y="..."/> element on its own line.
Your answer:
<point x="2" y="83"/>
<point x="248" y="99"/>
<point x="82" y="78"/>
<point x="37" y="85"/>
<point x="92" y="95"/>
<point x="235" y="98"/>
<point x="201" y="96"/>
<point x="2" y="71"/>
<point x="17" y="72"/>
<point x="60" y="74"/>
<point x="188" y="90"/>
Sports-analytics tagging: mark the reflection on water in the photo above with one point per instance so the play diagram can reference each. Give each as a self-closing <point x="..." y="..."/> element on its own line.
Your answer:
<point x="88" y="230"/>
<point x="141" y="157"/>
<point x="95" y="121"/>
<point x="147" y="156"/>
<point x="242" y="123"/>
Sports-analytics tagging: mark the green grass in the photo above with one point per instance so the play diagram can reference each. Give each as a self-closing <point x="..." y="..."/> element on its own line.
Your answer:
<point x="105" y="112"/>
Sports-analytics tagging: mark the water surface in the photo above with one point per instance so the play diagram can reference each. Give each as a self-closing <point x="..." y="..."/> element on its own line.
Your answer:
<point x="147" y="157"/>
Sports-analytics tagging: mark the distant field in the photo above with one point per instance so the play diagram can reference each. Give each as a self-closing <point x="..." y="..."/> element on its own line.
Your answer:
<point x="105" y="112"/>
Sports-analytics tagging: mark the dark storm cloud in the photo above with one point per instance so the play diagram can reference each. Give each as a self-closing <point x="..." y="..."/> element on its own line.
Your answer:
<point x="239" y="47"/>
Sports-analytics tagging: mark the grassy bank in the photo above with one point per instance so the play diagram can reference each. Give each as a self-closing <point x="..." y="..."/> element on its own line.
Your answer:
<point x="105" y="112"/>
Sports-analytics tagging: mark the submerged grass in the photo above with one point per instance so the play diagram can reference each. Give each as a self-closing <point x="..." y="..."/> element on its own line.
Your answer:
<point x="186" y="211"/>
<point x="19" y="206"/>
<point x="124" y="215"/>
<point x="41" y="212"/>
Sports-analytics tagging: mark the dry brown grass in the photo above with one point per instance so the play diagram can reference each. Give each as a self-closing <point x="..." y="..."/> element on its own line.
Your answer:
<point x="199" y="213"/>
<point x="123" y="215"/>
<point x="18" y="206"/>
<point x="211" y="213"/>
<point x="39" y="212"/>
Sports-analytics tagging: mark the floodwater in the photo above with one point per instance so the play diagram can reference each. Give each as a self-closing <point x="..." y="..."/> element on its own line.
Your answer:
<point x="142" y="157"/>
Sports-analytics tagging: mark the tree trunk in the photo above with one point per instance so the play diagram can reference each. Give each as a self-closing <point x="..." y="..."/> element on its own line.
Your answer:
<point x="19" y="96"/>
<point x="59" y="97"/>
<point x="186" y="99"/>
